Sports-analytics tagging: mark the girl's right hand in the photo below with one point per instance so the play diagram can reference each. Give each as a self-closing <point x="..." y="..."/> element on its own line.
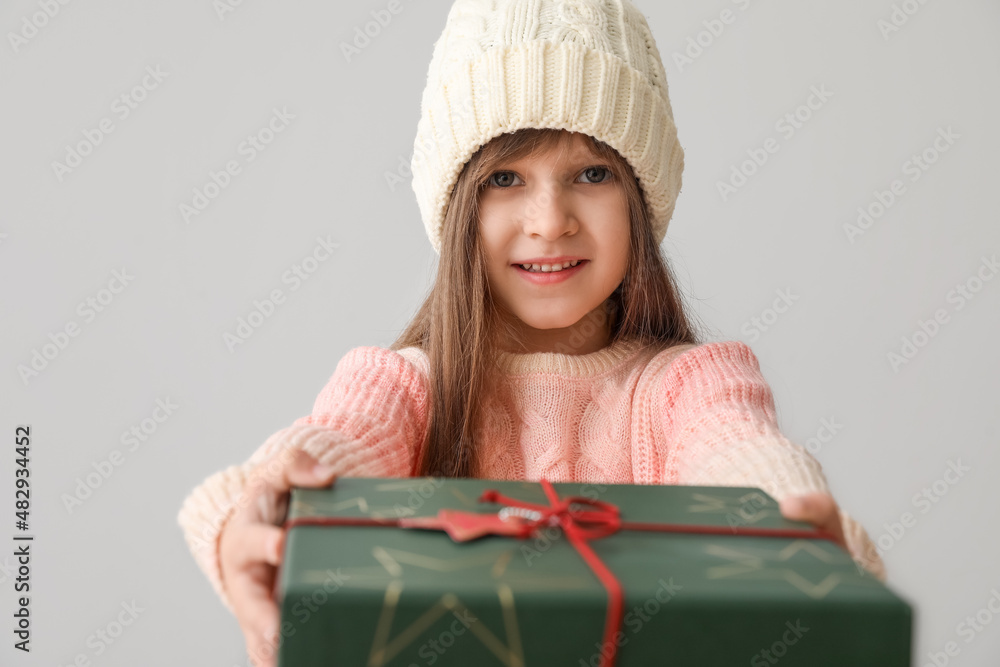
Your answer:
<point x="252" y="543"/>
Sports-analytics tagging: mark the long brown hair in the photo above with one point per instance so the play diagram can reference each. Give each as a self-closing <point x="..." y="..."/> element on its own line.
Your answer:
<point x="459" y="326"/>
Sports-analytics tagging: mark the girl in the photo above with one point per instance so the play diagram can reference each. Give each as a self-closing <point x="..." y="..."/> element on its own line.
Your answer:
<point x="553" y="342"/>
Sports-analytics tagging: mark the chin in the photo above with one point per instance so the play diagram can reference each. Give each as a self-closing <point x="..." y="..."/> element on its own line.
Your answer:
<point x="548" y="321"/>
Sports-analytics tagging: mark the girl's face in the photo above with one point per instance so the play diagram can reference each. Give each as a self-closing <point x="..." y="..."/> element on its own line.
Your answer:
<point x="556" y="206"/>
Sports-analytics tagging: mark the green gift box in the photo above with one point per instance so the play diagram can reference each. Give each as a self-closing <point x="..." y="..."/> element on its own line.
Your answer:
<point x="675" y="575"/>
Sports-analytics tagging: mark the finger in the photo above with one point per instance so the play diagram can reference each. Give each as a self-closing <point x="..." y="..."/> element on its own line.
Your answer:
<point x="808" y="507"/>
<point x="260" y="652"/>
<point x="263" y="648"/>
<point x="819" y="509"/>
<point x="256" y="543"/>
<point x="260" y="661"/>
<point x="292" y="467"/>
<point x="265" y="495"/>
<point x="263" y="651"/>
<point x="259" y="617"/>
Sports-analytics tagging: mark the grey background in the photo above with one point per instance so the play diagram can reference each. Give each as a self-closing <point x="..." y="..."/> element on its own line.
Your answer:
<point x="162" y="336"/>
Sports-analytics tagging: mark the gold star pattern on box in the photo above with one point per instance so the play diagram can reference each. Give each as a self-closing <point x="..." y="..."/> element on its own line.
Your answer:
<point x="755" y="504"/>
<point x="761" y="563"/>
<point x="392" y="562"/>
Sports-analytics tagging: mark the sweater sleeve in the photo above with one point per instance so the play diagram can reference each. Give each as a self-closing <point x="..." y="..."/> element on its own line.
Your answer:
<point x="721" y="430"/>
<point x="368" y="421"/>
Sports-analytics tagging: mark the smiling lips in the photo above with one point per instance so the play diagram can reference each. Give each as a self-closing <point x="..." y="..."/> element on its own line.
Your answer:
<point x="548" y="266"/>
<point x="543" y="277"/>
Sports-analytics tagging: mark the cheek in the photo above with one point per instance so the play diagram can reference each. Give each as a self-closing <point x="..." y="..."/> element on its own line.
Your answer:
<point x="495" y="258"/>
<point x="612" y="224"/>
<point x="495" y="236"/>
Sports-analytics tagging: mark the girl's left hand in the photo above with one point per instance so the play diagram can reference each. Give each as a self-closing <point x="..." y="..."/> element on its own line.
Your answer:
<point x="819" y="509"/>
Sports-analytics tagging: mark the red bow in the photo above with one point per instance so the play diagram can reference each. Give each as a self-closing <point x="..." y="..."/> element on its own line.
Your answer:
<point x="579" y="526"/>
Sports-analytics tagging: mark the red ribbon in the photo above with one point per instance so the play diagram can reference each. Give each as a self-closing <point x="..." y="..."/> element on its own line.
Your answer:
<point x="580" y="526"/>
<point x="604" y="521"/>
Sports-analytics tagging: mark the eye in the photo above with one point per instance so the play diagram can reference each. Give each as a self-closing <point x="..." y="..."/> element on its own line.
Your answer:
<point x="501" y="179"/>
<point x="598" y="173"/>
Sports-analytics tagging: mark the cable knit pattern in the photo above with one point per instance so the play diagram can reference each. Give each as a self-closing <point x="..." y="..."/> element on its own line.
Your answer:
<point x="694" y="415"/>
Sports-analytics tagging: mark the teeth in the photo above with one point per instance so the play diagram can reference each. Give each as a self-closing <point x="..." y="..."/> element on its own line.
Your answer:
<point x="548" y="268"/>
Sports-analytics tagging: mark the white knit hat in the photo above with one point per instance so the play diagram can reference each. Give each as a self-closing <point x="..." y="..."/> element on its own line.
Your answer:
<point x="587" y="66"/>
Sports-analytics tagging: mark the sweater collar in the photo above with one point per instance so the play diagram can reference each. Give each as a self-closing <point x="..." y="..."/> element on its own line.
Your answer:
<point x="583" y="365"/>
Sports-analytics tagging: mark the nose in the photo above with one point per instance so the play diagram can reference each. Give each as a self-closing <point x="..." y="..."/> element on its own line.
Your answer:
<point x="548" y="212"/>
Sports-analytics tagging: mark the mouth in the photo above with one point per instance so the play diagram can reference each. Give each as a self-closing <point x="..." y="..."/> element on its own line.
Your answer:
<point x="542" y="278"/>
<point x="550" y="268"/>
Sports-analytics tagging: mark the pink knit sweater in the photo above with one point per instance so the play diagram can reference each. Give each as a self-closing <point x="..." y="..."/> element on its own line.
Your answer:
<point x="693" y="415"/>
